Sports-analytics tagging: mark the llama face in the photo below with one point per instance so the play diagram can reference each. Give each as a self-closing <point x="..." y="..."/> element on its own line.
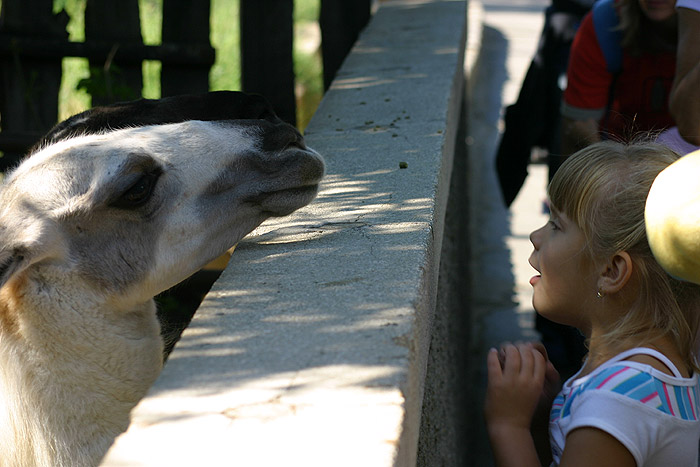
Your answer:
<point x="136" y="210"/>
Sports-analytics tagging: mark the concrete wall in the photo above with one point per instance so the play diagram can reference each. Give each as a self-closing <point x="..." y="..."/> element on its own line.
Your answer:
<point x="335" y="335"/>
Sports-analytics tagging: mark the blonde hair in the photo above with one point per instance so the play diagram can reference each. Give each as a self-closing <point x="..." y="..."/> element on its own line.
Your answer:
<point x="603" y="189"/>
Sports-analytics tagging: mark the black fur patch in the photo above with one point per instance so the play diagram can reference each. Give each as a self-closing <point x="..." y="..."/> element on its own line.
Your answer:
<point x="213" y="106"/>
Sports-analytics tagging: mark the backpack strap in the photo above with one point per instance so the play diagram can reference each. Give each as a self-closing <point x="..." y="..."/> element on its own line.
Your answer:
<point x="606" y="23"/>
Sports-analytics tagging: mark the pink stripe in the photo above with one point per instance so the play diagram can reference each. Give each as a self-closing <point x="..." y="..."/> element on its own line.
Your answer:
<point x="668" y="400"/>
<point x="692" y="407"/>
<point x="611" y="377"/>
<point x="649" y="397"/>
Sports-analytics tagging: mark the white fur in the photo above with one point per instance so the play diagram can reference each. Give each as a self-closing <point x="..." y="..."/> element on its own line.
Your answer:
<point x="79" y="339"/>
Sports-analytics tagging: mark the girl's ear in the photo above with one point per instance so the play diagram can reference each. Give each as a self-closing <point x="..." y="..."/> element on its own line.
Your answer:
<point x="616" y="273"/>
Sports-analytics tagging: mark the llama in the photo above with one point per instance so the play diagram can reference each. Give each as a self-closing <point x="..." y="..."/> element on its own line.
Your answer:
<point x="112" y="208"/>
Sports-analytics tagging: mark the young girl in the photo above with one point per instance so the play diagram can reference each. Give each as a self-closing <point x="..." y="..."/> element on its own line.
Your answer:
<point x="635" y="400"/>
<point x="619" y="76"/>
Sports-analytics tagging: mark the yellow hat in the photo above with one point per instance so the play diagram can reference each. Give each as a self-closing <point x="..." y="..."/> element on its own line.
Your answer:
<point x="672" y="218"/>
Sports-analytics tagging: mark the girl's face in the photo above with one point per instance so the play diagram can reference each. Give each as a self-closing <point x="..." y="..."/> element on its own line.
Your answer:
<point x="658" y="10"/>
<point x="566" y="282"/>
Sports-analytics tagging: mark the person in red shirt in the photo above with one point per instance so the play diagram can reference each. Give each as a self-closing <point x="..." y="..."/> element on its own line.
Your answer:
<point x="620" y="72"/>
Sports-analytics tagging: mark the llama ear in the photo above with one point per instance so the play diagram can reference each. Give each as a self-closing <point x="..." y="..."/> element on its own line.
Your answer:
<point x="11" y="262"/>
<point x="23" y="244"/>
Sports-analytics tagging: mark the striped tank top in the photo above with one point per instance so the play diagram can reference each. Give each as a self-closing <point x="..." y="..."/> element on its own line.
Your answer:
<point x="633" y="402"/>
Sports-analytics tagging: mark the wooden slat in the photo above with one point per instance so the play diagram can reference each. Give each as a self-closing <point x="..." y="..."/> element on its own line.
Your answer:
<point x="341" y="22"/>
<point x="118" y="23"/>
<point x="267" y="66"/>
<point x="186" y="24"/>
<point x="29" y="87"/>
<point x="190" y="55"/>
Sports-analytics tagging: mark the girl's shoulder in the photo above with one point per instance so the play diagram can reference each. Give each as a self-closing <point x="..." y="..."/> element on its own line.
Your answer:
<point x="664" y="365"/>
<point x="643" y="384"/>
<point x="651" y="413"/>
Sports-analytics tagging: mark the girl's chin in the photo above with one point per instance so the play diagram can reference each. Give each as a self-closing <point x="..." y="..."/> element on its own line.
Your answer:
<point x="553" y="315"/>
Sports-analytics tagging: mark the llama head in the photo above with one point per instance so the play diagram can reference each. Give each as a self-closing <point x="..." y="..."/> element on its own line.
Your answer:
<point x="133" y="211"/>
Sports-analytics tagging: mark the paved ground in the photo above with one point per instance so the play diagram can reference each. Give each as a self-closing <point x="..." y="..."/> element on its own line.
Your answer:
<point x="500" y="51"/>
<point x="501" y="245"/>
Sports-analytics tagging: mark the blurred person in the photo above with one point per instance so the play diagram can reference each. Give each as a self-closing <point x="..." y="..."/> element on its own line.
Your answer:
<point x="533" y="120"/>
<point x="685" y="94"/>
<point x="620" y="73"/>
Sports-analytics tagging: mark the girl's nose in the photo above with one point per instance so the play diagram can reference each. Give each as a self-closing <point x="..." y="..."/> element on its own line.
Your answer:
<point x="536" y="237"/>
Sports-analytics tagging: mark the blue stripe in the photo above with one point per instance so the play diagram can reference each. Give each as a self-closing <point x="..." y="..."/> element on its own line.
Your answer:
<point x="566" y="409"/>
<point x="682" y="403"/>
<point x="631" y="383"/>
<point x="555" y="413"/>
<point x="602" y="376"/>
<point x="664" y="407"/>
<point x="643" y="390"/>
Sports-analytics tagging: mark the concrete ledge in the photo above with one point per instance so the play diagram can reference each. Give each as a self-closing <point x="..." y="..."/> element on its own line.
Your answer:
<point x="312" y="347"/>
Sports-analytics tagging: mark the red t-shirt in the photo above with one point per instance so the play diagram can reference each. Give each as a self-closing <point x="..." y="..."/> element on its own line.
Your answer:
<point x="640" y="99"/>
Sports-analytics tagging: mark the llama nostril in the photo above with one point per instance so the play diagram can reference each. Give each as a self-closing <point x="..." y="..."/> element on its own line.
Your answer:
<point x="266" y="113"/>
<point x="297" y="142"/>
<point x="279" y="138"/>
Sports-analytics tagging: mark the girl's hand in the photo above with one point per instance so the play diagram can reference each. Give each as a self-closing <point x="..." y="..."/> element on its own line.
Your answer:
<point x="514" y="386"/>
<point x="514" y="389"/>
<point x="540" y="422"/>
<point x="552" y="380"/>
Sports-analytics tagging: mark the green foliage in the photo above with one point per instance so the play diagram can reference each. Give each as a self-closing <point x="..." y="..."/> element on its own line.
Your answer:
<point x="151" y="31"/>
<point x="78" y="82"/>
<point x="225" y="38"/>
<point x="107" y="84"/>
<point x="306" y="10"/>
<point x="308" y="68"/>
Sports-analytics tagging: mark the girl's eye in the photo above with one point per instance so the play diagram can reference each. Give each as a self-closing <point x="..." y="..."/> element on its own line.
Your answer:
<point x="553" y="225"/>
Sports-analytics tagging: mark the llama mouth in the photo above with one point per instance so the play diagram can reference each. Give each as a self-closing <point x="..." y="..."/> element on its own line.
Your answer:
<point x="309" y="160"/>
<point x="285" y="201"/>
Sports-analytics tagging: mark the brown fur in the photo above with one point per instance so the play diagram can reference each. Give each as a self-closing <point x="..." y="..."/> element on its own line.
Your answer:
<point x="10" y="297"/>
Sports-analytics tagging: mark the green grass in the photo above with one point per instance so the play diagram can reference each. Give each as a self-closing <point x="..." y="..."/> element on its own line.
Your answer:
<point x="224" y="75"/>
<point x="225" y="38"/>
<point x="308" y="66"/>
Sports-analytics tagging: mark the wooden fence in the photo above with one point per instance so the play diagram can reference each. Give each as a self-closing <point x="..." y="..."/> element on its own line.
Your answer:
<point x="33" y="42"/>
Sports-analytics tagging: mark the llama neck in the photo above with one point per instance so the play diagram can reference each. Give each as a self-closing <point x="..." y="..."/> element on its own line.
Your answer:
<point x="71" y="369"/>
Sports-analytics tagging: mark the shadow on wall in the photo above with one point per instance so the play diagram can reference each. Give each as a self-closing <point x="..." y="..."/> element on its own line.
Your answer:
<point x="340" y="295"/>
<point x="273" y="308"/>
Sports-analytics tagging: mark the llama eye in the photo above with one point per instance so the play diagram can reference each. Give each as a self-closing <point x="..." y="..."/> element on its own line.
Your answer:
<point x="138" y="193"/>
